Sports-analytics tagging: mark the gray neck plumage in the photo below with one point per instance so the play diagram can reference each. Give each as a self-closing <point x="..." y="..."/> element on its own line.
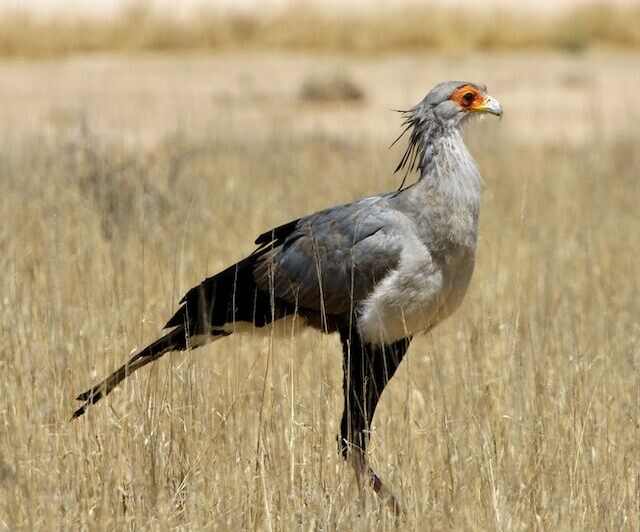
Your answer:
<point x="449" y="183"/>
<point x="448" y="169"/>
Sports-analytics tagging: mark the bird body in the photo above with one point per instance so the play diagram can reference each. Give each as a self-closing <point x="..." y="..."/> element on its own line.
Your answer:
<point x="377" y="271"/>
<point x="439" y="235"/>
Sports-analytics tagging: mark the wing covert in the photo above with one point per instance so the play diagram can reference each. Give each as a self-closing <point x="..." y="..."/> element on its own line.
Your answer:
<point x="332" y="260"/>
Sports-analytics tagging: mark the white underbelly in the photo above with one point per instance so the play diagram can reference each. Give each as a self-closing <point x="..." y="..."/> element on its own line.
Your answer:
<point x="415" y="297"/>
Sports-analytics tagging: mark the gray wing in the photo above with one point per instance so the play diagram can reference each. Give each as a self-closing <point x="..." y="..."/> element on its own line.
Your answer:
<point x="330" y="261"/>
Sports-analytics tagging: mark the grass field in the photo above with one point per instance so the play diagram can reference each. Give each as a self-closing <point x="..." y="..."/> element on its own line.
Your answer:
<point x="125" y="180"/>
<point x="384" y="28"/>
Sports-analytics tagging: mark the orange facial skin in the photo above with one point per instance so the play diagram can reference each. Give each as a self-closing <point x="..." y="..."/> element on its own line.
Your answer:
<point x="468" y="97"/>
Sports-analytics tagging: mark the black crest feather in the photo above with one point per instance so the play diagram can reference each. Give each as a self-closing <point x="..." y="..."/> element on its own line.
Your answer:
<point x="414" y="121"/>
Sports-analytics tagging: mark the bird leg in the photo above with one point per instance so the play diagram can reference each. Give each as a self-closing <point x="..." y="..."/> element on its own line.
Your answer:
<point x="367" y="370"/>
<point x="365" y="475"/>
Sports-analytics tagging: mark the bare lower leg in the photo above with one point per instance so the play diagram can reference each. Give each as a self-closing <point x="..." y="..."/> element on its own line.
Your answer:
<point x="367" y="477"/>
<point x="367" y="370"/>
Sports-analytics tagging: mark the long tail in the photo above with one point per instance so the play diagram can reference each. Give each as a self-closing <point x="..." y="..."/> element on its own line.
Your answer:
<point x="230" y="296"/>
<point x="172" y="341"/>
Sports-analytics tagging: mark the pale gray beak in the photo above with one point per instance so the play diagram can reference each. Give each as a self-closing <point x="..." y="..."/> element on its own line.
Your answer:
<point x="489" y="105"/>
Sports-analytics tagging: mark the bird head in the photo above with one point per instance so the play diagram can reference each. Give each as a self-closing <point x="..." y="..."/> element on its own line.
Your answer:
<point x="453" y="102"/>
<point x="445" y="108"/>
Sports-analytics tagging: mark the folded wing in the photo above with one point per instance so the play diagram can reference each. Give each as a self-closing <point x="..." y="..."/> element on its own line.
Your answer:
<point x="332" y="260"/>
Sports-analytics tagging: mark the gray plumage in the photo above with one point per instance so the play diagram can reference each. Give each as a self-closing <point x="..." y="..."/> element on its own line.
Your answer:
<point x="378" y="271"/>
<point x="402" y="261"/>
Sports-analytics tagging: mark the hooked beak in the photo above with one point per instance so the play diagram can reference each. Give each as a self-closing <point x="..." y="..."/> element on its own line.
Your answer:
<point x="489" y="105"/>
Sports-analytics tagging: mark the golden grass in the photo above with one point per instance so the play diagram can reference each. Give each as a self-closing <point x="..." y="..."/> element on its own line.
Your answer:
<point x="518" y="413"/>
<point x="138" y="27"/>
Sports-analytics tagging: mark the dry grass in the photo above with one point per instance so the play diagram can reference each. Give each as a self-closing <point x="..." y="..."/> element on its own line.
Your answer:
<point x="139" y="28"/>
<point x="519" y="413"/>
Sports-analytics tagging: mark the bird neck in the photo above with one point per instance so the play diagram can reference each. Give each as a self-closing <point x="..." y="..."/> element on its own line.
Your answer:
<point x="447" y="168"/>
<point x="450" y="185"/>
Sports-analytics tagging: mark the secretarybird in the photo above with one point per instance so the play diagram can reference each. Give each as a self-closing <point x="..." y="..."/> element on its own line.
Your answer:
<point x="377" y="271"/>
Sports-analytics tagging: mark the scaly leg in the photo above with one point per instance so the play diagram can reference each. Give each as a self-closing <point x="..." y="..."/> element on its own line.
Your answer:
<point x="367" y="370"/>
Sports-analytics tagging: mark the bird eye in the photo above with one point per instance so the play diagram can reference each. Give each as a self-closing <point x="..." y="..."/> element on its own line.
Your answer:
<point x="468" y="97"/>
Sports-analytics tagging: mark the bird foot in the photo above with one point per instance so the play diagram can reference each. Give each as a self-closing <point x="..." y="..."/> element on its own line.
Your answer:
<point x="366" y="475"/>
<point x="384" y="493"/>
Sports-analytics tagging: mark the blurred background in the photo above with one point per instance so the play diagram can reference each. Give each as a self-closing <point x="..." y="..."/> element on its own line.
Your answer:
<point x="143" y="145"/>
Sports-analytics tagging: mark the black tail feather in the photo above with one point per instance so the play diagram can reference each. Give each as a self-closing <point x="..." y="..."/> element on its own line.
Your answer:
<point x="172" y="341"/>
<point x="225" y="298"/>
<point x="228" y="297"/>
